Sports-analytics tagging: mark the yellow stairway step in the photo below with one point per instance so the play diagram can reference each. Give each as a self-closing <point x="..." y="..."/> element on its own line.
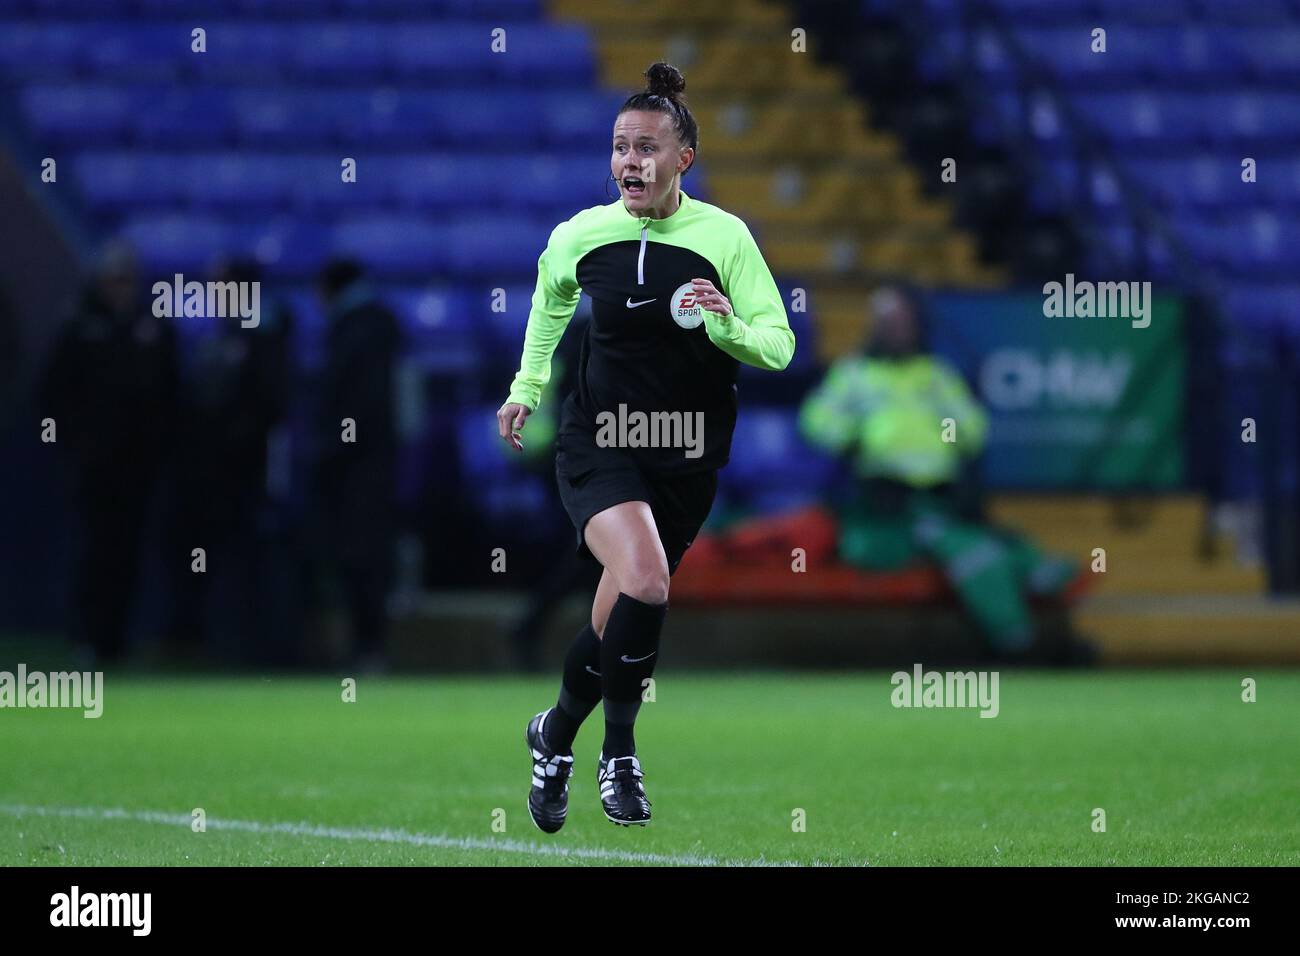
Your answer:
<point x="1205" y="629"/>
<point x="793" y="127"/>
<point x="1153" y="543"/>
<point x="743" y="65"/>
<point x="1147" y="578"/>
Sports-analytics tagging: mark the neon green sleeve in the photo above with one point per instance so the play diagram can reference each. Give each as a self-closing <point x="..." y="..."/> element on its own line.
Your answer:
<point x="960" y="405"/>
<point x="757" y="332"/>
<point x="830" y="416"/>
<point x="554" y="300"/>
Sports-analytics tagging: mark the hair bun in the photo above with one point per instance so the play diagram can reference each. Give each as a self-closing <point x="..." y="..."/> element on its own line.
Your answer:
<point x="664" y="79"/>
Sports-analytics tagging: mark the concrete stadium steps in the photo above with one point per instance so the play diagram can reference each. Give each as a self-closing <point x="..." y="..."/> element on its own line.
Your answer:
<point x="790" y="149"/>
<point x="1198" y="630"/>
<point x="856" y="199"/>
<point x="468" y="632"/>
<point x="840" y="318"/>
<point x="790" y="126"/>
<point x="929" y="257"/>
<point x="752" y="63"/>
<point x="1154" y="545"/>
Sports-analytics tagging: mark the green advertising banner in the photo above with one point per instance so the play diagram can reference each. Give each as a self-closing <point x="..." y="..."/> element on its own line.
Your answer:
<point x="1076" y="400"/>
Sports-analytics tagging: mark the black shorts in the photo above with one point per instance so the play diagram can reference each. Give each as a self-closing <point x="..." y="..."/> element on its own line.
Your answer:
<point x="592" y="479"/>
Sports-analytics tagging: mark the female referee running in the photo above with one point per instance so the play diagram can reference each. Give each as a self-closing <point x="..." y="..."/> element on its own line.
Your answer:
<point x="680" y="294"/>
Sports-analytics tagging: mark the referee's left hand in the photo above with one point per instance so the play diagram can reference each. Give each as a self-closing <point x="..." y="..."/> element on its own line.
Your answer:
<point x="708" y="297"/>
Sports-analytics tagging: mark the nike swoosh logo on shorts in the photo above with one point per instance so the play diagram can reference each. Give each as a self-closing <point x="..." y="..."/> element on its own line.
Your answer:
<point x="636" y="660"/>
<point x="633" y="305"/>
<point x="590" y="671"/>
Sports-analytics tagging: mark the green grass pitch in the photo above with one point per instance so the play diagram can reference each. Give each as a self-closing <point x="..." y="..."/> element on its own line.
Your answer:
<point x="418" y="771"/>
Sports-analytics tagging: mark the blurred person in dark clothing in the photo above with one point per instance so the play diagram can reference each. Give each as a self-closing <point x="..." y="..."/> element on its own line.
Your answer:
<point x="11" y="355"/>
<point x="356" y="452"/>
<point x="234" y="394"/>
<point x="111" y="388"/>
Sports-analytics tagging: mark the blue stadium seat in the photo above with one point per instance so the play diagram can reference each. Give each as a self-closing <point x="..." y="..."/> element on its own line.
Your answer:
<point x="271" y="9"/>
<point x="509" y="10"/>
<point x="32" y="52"/>
<point x="1142" y="117"/>
<point x="500" y="248"/>
<point x="543" y="182"/>
<point x="1039" y="12"/>
<point x="1263" y="12"/>
<point x="331" y="51"/>
<point x="484" y="119"/>
<point x="1205" y="237"/>
<point x="1272" y="55"/>
<point x="128" y="179"/>
<point x="1207" y="180"/>
<point x="1197" y="52"/>
<point x="1260" y="243"/>
<point x="1068" y="54"/>
<point x="319" y="186"/>
<point x="1252" y="118"/>
<point x="242" y="52"/>
<point x="547" y="55"/>
<point x="1263" y="307"/>
<point x="434" y="311"/>
<point x="187" y="117"/>
<point x="991" y="56"/>
<point x="77" y="115"/>
<point x="487" y="9"/>
<point x="238" y="180"/>
<point x="154" y="52"/>
<point x="437" y="333"/>
<point x="462" y="52"/>
<point x="392" y="244"/>
<point x="578" y="120"/>
<point x="284" y="245"/>
<point x="67" y="8"/>
<point x="1277" y="179"/>
<point x="276" y="118"/>
<point x="767" y="450"/>
<point x="172" y="242"/>
<point x="504" y="331"/>
<point x="1110" y="13"/>
<point x="391" y="118"/>
<point x="443" y="180"/>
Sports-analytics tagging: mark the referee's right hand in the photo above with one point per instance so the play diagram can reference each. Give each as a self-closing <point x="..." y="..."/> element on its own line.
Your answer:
<point x="510" y="420"/>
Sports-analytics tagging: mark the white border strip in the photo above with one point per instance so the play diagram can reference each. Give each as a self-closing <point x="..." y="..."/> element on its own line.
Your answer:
<point x="385" y="835"/>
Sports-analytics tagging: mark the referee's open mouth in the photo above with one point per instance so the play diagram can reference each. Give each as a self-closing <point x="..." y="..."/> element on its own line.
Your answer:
<point x="633" y="186"/>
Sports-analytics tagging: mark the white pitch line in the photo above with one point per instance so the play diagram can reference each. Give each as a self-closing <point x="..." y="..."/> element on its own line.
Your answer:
<point x="385" y="835"/>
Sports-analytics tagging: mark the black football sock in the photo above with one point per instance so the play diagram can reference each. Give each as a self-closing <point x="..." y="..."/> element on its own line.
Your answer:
<point x="628" y="655"/>
<point x="579" y="692"/>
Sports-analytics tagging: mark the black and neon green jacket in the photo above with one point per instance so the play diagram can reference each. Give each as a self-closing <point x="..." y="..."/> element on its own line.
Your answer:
<point x="649" y="347"/>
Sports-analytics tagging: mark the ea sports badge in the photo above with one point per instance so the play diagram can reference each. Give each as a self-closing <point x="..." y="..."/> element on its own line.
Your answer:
<point x="684" y="309"/>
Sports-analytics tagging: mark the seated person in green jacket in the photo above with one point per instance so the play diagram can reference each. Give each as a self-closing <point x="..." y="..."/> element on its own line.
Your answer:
<point x="911" y="427"/>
